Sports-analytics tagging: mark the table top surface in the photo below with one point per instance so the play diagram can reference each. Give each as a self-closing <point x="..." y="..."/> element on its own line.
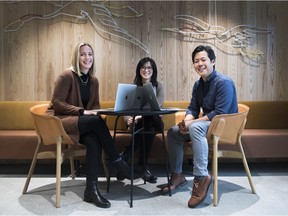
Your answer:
<point x="110" y="111"/>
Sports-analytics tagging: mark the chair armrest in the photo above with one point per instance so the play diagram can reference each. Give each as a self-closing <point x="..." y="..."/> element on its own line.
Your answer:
<point x="217" y="126"/>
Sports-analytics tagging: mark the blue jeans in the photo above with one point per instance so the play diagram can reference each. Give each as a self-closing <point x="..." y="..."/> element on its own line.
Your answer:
<point x="197" y="136"/>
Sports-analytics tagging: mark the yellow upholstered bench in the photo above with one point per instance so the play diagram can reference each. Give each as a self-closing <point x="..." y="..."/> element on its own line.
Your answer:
<point x="265" y="134"/>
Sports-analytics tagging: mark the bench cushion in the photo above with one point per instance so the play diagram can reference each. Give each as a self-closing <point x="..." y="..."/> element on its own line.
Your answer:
<point x="15" y="115"/>
<point x="19" y="144"/>
<point x="265" y="143"/>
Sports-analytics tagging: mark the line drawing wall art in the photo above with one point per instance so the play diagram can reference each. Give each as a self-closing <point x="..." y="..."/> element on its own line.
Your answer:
<point x="102" y="12"/>
<point x="238" y="37"/>
<point x="103" y="18"/>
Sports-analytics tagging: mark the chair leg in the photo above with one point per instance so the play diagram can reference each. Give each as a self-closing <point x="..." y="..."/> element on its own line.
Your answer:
<point x="215" y="170"/>
<point x="246" y="166"/>
<point x="107" y="170"/>
<point x="32" y="167"/>
<point x="58" y="172"/>
<point x="72" y="167"/>
<point x="166" y="159"/>
<point x="108" y="179"/>
<point x="105" y="166"/>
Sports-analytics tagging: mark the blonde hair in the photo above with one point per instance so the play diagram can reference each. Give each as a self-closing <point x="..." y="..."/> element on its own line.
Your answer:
<point x="75" y="66"/>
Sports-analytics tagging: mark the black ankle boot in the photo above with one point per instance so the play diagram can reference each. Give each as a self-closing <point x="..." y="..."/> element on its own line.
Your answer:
<point x="92" y="194"/>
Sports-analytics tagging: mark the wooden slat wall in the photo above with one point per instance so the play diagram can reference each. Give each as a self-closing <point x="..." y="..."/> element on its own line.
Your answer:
<point x="32" y="57"/>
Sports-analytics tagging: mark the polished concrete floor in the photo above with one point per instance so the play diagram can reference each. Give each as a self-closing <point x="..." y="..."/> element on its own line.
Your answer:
<point x="235" y="197"/>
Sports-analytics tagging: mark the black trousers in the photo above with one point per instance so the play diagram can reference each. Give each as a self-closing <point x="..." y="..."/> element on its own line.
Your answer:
<point x="151" y="123"/>
<point x="95" y="135"/>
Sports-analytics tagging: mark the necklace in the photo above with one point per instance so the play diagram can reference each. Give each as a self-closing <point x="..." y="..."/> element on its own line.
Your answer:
<point x="84" y="82"/>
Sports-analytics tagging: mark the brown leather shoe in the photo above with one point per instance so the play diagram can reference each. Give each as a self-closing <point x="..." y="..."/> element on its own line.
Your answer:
<point x="199" y="193"/>
<point x="176" y="181"/>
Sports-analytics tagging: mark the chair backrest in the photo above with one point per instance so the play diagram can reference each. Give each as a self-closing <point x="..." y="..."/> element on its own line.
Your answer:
<point x="48" y="128"/>
<point x="228" y="126"/>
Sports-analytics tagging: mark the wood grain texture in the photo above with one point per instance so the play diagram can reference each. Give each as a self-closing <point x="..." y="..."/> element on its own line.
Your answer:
<point x="32" y="57"/>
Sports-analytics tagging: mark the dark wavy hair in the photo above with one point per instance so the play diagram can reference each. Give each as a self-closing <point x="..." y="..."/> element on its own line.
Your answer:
<point x="141" y="63"/>
<point x="208" y="49"/>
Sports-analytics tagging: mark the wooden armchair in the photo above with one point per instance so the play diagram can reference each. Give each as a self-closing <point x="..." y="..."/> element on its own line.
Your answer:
<point x="224" y="130"/>
<point x="50" y="131"/>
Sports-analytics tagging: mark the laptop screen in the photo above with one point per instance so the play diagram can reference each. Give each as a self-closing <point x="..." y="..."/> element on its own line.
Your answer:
<point x="151" y="97"/>
<point x="129" y="97"/>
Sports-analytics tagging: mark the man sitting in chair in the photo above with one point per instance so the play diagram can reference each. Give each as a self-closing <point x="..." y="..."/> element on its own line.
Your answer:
<point x="215" y="94"/>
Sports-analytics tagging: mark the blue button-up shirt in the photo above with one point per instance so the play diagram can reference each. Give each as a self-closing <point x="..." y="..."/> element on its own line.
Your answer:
<point x="216" y="96"/>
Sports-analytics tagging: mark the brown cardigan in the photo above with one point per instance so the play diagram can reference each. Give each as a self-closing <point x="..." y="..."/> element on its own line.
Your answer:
<point x="66" y="101"/>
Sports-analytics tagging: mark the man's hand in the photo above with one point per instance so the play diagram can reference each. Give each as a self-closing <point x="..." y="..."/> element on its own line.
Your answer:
<point x="182" y="128"/>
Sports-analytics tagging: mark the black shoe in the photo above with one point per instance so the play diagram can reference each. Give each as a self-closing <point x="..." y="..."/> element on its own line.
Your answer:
<point x="92" y="194"/>
<point x="125" y="155"/>
<point x="122" y="168"/>
<point x="121" y="177"/>
<point x="148" y="177"/>
<point x="124" y="171"/>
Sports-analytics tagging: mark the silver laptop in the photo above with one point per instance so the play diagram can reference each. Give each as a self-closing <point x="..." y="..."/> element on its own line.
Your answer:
<point x="129" y="97"/>
<point x="152" y="100"/>
<point x="133" y="97"/>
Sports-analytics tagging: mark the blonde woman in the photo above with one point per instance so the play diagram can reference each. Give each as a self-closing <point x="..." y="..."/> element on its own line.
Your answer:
<point x="75" y="96"/>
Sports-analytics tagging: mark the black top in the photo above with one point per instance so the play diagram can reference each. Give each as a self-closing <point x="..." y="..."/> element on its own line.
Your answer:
<point x="84" y="88"/>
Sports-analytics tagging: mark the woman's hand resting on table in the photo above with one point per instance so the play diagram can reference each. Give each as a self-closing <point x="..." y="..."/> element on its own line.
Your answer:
<point x="89" y="112"/>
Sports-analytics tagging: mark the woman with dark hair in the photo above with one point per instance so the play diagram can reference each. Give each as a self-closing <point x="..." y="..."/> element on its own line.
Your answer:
<point x="146" y="71"/>
<point x="75" y="98"/>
